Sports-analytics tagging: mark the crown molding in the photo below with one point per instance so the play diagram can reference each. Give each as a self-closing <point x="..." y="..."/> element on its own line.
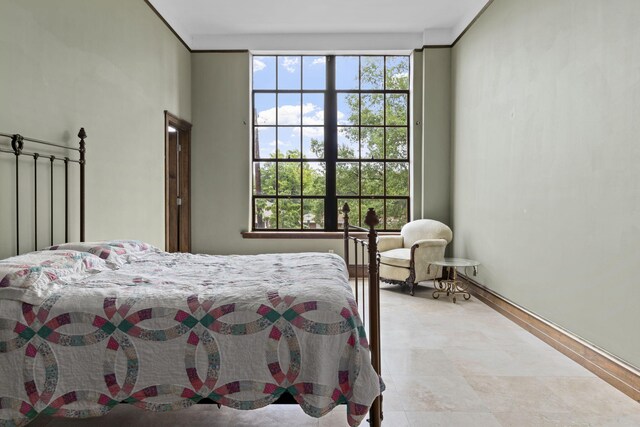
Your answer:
<point x="325" y="42"/>
<point x="175" y="33"/>
<point x="437" y="37"/>
<point x="219" y="51"/>
<point x="473" y="21"/>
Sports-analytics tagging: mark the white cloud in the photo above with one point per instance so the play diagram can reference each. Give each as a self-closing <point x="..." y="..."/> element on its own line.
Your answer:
<point x="287" y="115"/>
<point x="266" y="117"/>
<point x="399" y="76"/>
<point x="314" y="132"/>
<point x="320" y="60"/>
<point x="341" y="118"/>
<point x="313" y="115"/>
<point x="290" y="115"/>
<point x="290" y="63"/>
<point x="258" y="65"/>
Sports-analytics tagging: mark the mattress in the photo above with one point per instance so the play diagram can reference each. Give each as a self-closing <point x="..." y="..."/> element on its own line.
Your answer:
<point x="163" y="331"/>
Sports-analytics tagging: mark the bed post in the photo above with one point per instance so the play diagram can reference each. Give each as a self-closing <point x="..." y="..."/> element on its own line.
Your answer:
<point x="17" y="144"/>
<point x="345" y="216"/>
<point x="375" y="414"/>
<point x="371" y="220"/>
<point x="82" y="135"/>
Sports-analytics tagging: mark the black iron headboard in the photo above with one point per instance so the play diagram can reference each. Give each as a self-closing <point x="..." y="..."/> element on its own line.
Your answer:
<point x="18" y="149"/>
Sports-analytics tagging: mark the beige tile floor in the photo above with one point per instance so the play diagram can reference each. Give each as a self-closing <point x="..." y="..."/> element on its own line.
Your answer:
<point x="444" y="364"/>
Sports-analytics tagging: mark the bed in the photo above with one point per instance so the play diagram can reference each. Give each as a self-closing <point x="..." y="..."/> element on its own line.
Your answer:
<point x="85" y="326"/>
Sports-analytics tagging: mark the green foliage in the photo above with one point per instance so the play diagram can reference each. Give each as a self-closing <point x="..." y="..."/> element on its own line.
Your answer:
<point x="309" y="178"/>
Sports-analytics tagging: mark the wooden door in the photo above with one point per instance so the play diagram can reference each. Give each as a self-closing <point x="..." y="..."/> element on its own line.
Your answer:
<point x="177" y="184"/>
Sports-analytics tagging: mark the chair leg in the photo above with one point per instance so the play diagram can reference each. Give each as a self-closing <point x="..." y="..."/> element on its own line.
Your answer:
<point x="411" y="282"/>
<point x="412" y="271"/>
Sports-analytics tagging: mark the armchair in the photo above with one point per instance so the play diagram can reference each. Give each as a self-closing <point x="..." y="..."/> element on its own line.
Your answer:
<point x="404" y="259"/>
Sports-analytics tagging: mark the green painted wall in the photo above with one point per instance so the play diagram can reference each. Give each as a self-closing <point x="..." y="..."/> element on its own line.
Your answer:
<point x="546" y="100"/>
<point x="112" y="67"/>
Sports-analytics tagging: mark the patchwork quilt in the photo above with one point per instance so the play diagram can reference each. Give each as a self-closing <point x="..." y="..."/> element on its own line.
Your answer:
<point x="162" y="331"/>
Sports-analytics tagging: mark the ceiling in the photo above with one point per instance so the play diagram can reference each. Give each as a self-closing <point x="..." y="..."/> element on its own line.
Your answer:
<point x="324" y="25"/>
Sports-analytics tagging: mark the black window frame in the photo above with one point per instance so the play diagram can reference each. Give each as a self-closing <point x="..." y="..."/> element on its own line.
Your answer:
<point x="331" y="159"/>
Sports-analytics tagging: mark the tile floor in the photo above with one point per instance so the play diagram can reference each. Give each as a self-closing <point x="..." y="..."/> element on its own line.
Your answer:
<point x="444" y="364"/>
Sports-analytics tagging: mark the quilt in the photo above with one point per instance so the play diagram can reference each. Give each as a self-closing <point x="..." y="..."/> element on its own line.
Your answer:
<point x="163" y="331"/>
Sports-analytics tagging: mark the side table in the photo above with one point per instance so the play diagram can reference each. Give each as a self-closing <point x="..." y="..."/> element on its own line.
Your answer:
<point x="451" y="285"/>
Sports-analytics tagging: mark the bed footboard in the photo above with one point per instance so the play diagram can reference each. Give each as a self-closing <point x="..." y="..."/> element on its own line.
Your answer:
<point x="373" y="281"/>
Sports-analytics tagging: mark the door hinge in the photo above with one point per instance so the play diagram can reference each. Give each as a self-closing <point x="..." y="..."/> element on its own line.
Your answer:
<point x="179" y="201"/>
<point x="179" y="148"/>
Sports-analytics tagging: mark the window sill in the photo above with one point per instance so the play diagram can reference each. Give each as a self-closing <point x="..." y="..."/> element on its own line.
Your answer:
<point x="308" y="234"/>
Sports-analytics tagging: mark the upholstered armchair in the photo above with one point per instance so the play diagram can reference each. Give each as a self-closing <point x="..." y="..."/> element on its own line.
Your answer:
<point x="404" y="259"/>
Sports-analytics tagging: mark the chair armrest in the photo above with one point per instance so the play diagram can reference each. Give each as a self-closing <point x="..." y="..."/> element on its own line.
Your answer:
<point x="386" y="243"/>
<point x="424" y="243"/>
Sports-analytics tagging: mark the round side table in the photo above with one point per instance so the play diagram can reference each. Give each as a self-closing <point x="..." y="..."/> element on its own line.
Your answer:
<point x="451" y="285"/>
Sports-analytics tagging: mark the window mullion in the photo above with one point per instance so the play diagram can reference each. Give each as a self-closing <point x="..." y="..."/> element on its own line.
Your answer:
<point x="384" y="142"/>
<point x="277" y="164"/>
<point x="331" y="145"/>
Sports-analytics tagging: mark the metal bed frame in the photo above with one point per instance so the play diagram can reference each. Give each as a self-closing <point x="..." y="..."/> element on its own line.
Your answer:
<point x="371" y="220"/>
<point x="17" y="150"/>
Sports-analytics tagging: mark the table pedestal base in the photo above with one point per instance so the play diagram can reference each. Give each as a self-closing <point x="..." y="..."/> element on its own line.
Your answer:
<point x="451" y="287"/>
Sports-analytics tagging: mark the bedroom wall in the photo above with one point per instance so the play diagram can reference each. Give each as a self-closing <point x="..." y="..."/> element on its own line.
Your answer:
<point x="221" y="158"/>
<point x="436" y="142"/>
<point x="112" y="67"/>
<point x="546" y="100"/>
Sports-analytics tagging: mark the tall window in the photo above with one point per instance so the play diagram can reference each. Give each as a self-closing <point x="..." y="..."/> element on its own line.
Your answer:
<point x="329" y="130"/>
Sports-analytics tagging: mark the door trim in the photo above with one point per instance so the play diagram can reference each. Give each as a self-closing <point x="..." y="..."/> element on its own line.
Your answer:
<point x="184" y="129"/>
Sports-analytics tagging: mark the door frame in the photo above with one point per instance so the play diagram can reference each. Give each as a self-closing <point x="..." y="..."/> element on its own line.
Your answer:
<point x="184" y="129"/>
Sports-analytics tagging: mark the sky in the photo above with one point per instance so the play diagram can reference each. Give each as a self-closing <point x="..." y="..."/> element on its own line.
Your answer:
<point x="307" y="73"/>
